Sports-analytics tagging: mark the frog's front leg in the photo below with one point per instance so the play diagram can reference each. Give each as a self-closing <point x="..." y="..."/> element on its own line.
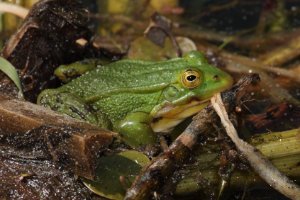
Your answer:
<point x="72" y="105"/>
<point x="135" y="129"/>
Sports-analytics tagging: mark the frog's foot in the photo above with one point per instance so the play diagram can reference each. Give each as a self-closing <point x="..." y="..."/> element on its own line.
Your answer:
<point x="68" y="72"/>
<point x="135" y="129"/>
<point x="67" y="103"/>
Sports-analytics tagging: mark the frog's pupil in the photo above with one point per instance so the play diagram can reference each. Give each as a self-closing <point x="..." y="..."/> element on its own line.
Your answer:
<point x="191" y="77"/>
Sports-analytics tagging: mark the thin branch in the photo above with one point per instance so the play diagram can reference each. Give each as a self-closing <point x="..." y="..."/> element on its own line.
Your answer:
<point x="259" y="163"/>
<point x="283" y="53"/>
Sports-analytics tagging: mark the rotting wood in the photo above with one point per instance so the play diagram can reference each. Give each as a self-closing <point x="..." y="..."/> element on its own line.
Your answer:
<point x="29" y="131"/>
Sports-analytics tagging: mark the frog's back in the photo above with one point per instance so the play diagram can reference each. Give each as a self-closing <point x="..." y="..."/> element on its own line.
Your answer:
<point x="126" y="76"/>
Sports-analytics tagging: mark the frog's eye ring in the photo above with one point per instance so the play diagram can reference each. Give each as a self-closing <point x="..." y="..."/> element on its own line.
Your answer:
<point x="191" y="78"/>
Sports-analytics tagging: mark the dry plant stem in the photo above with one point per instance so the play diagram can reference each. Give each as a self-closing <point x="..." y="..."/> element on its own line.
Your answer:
<point x="13" y="9"/>
<point x="265" y="42"/>
<point x="276" y="92"/>
<point x="193" y="33"/>
<point x="216" y="8"/>
<point x="283" y="53"/>
<point x="236" y="61"/>
<point x="259" y="163"/>
<point x="281" y="148"/>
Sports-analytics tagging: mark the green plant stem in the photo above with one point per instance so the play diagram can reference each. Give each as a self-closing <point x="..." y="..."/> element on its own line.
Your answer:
<point x="282" y="148"/>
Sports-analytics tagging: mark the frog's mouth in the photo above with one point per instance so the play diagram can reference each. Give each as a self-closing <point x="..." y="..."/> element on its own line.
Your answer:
<point x="170" y="116"/>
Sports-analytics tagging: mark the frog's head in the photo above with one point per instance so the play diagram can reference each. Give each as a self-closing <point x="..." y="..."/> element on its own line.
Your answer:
<point x="196" y="82"/>
<point x="201" y="80"/>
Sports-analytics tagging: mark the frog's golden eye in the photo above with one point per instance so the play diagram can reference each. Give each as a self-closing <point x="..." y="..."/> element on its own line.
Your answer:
<point x="191" y="78"/>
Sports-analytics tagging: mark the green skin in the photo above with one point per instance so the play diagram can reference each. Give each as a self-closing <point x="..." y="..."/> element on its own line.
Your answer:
<point x="126" y="95"/>
<point x="68" y="72"/>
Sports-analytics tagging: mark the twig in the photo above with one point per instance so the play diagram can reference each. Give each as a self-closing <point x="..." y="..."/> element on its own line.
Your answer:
<point x="246" y="65"/>
<point x="215" y="8"/>
<point x="259" y="163"/>
<point x="283" y="53"/>
<point x="13" y="9"/>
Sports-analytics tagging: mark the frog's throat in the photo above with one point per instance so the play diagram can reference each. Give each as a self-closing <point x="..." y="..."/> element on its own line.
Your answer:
<point x="170" y="116"/>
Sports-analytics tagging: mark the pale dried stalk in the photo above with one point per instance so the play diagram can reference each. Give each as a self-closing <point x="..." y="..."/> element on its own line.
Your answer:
<point x="234" y="60"/>
<point x="282" y="54"/>
<point x="259" y="163"/>
<point x="13" y="9"/>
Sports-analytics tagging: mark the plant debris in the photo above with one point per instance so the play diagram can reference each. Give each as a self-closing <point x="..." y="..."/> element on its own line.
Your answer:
<point x="159" y="29"/>
<point x="274" y="117"/>
<point x="31" y="132"/>
<point x="258" y="162"/>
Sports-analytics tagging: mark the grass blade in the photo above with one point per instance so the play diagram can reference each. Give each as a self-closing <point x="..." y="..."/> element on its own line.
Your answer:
<point x="7" y="68"/>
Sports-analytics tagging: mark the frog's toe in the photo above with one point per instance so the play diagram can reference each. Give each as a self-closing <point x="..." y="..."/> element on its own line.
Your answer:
<point x="48" y="98"/>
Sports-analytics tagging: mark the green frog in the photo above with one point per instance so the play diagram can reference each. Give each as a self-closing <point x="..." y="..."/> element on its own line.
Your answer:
<point x="139" y="99"/>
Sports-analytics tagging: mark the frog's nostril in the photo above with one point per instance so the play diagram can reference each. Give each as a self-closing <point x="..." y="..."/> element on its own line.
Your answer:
<point x="216" y="78"/>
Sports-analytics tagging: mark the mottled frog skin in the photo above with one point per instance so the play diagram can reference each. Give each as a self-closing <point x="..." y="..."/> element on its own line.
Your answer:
<point x="138" y="98"/>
